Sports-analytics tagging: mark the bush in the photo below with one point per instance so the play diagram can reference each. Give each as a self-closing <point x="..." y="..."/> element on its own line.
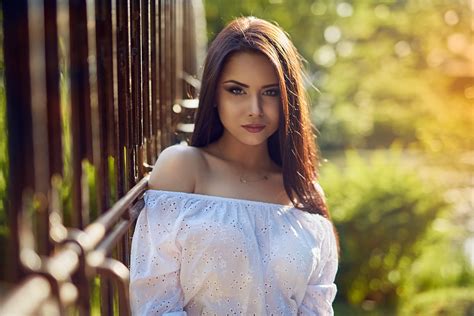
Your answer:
<point x="381" y="210"/>
<point x="452" y="302"/>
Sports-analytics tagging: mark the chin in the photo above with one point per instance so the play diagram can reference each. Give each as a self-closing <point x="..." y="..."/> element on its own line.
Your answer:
<point x="253" y="141"/>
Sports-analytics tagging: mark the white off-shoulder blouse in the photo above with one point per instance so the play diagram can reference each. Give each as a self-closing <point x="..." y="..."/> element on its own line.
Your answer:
<point x="195" y="254"/>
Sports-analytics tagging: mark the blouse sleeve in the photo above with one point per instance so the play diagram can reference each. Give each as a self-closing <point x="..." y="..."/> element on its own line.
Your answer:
<point x="321" y="289"/>
<point x="154" y="263"/>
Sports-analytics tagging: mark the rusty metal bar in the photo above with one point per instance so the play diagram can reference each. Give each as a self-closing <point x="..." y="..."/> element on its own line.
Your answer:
<point x="81" y="131"/>
<point x="146" y="119"/>
<point x="52" y="88"/>
<point x="123" y="95"/>
<point x="68" y="259"/>
<point x="112" y="238"/>
<point x="105" y="112"/>
<point x="105" y="105"/>
<point x="95" y="114"/>
<point x="161" y="66"/>
<point x="154" y="84"/>
<point x="39" y="122"/>
<point x="20" y="145"/>
<point x="169" y="70"/>
<point x="105" y="95"/>
<point x="136" y="106"/>
<point x="123" y="103"/>
<point x="178" y="86"/>
<point x="112" y="268"/>
<point x="80" y="276"/>
<point x="118" y="272"/>
<point x="164" y="73"/>
<point x="159" y="69"/>
<point x="96" y="231"/>
<point x="105" y="71"/>
<point x="135" y="69"/>
<point x="178" y="45"/>
<point x="80" y="106"/>
<point x="145" y="12"/>
<point x="38" y="291"/>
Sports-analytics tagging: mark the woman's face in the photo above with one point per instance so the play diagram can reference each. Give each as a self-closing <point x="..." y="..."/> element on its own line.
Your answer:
<point x="248" y="98"/>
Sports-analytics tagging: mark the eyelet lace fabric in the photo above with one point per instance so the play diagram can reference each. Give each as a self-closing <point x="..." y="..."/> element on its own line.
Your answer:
<point x="196" y="254"/>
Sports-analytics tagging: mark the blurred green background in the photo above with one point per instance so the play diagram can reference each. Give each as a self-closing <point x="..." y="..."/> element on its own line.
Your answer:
<point x="394" y="113"/>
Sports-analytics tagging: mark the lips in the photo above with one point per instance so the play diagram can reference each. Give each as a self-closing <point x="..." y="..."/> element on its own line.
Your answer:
<point x="254" y="128"/>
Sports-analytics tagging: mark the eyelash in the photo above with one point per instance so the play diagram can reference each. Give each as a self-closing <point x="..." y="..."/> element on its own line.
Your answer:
<point x="240" y="91"/>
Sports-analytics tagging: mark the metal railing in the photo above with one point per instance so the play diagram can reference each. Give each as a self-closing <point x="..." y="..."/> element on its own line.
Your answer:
<point x="95" y="90"/>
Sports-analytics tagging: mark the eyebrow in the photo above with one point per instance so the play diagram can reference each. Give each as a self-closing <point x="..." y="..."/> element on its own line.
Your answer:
<point x="246" y="86"/>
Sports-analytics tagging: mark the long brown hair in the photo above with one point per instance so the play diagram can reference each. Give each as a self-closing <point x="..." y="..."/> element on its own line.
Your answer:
<point x="292" y="147"/>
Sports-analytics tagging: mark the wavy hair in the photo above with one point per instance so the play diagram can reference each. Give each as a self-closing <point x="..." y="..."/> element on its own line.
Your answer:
<point x="293" y="145"/>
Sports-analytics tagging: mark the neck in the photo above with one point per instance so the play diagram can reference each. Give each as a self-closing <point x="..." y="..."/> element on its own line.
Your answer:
<point x="246" y="156"/>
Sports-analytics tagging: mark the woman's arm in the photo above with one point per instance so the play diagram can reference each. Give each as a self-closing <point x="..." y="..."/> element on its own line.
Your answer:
<point x="154" y="266"/>
<point x="321" y="289"/>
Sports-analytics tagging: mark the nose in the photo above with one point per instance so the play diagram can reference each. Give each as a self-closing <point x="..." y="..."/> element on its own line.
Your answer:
<point x="255" y="107"/>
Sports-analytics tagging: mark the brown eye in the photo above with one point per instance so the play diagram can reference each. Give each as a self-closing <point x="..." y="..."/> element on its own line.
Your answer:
<point x="272" y="92"/>
<point x="235" y="90"/>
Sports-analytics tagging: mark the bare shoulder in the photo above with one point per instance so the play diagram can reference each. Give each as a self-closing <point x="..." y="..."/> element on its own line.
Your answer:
<point x="176" y="169"/>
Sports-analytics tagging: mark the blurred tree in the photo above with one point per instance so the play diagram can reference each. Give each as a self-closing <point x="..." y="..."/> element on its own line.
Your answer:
<point x="382" y="211"/>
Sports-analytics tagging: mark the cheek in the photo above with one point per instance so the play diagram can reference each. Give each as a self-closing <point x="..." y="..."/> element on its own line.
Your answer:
<point x="227" y="113"/>
<point x="274" y="112"/>
<point x="229" y="106"/>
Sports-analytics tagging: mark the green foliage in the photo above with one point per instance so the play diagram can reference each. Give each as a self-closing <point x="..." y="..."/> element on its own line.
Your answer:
<point x="440" y="255"/>
<point x="381" y="78"/>
<point x="381" y="210"/>
<point x="450" y="301"/>
<point x="342" y="308"/>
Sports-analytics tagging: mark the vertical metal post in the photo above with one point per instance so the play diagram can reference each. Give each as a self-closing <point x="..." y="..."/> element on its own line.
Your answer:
<point x="81" y="131"/>
<point x="20" y="144"/>
<point x="52" y="88"/>
<point x="154" y="83"/>
<point x="80" y="107"/>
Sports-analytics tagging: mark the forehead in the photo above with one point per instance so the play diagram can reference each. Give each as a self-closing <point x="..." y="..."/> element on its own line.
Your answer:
<point x="249" y="68"/>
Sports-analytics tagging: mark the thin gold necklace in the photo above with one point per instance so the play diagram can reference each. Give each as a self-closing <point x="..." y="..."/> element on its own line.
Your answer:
<point x="242" y="178"/>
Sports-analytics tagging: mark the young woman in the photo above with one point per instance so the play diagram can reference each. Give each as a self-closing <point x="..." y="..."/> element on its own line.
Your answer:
<point x="236" y="223"/>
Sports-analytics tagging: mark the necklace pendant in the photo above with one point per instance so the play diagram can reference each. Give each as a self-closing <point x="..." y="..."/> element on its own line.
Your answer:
<point x="243" y="180"/>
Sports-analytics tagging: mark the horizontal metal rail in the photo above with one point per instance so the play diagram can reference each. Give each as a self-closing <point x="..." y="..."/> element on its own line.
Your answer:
<point x="94" y="244"/>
